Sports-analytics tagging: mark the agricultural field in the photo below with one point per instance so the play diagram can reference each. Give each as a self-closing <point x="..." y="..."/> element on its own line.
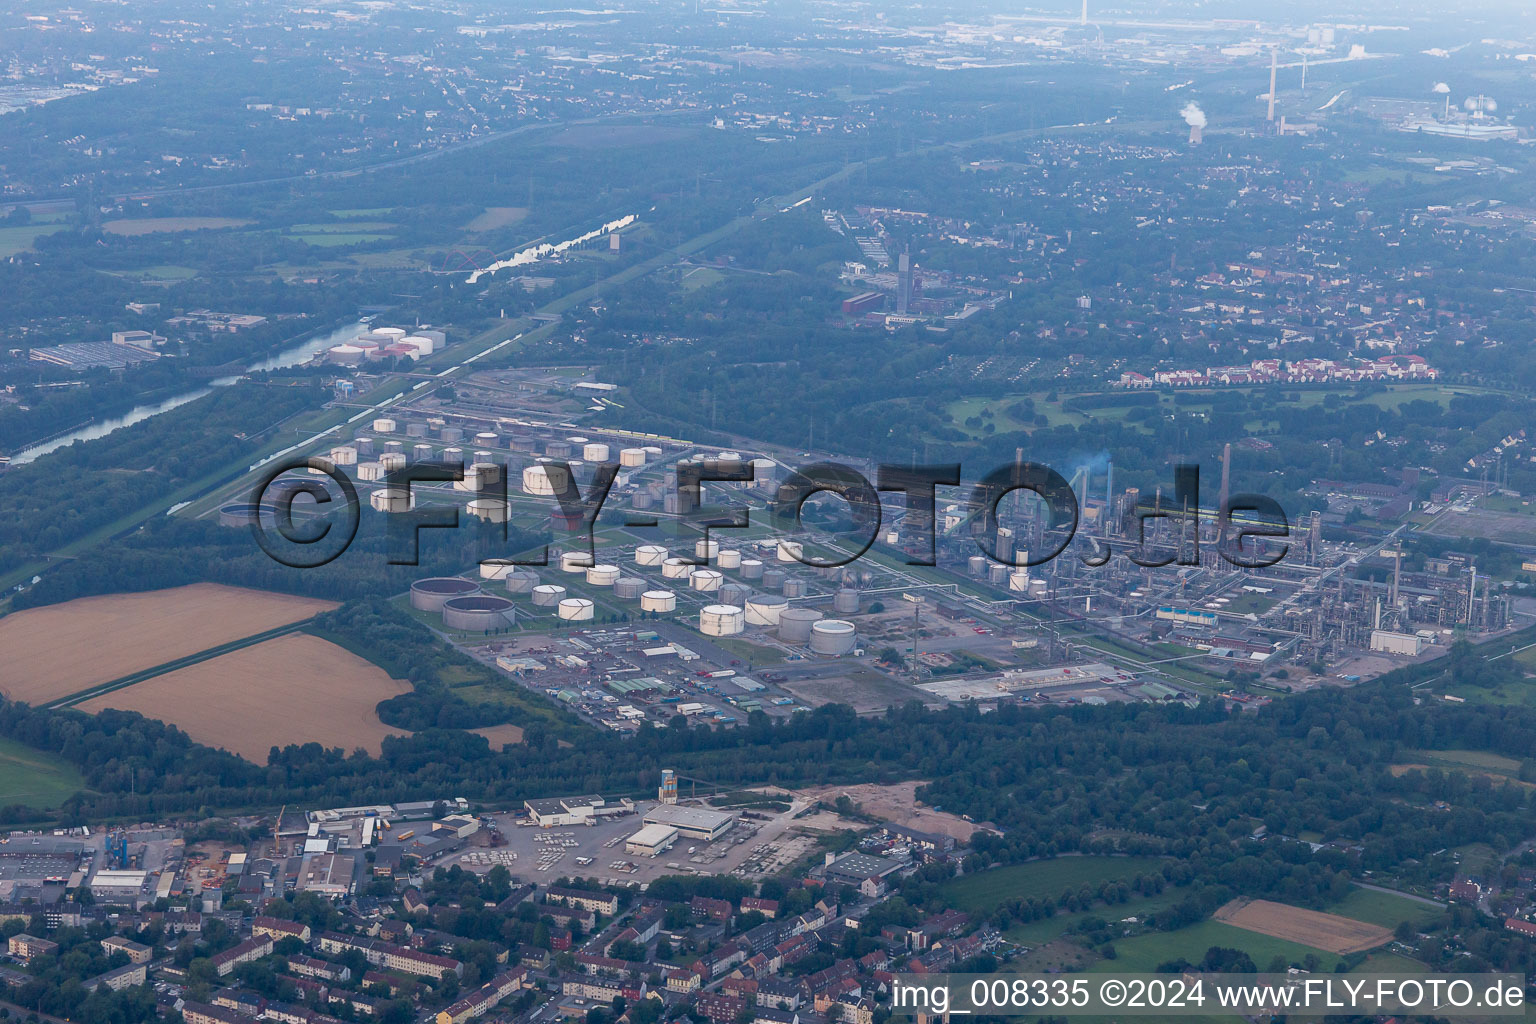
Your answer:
<point x="292" y="689"/>
<point x="62" y="649"/>
<point x="33" y="778"/>
<point x="986" y="890"/>
<point x="1295" y="924"/>
<point x="496" y="217"/>
<point x="19" y="239"/>
<point x="1480" y="761"/>
<point x="157" y="225"/>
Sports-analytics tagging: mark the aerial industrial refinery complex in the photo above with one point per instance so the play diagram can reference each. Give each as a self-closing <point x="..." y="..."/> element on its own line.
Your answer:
<point x="660" y="619"/>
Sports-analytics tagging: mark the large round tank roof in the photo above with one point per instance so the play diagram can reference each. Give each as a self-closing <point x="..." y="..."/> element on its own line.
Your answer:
<point x="445" y="585"/>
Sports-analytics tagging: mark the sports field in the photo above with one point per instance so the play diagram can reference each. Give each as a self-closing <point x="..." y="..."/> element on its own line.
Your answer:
<point x="62" y="649"/>
<point x="1310" y="927"/>
<point x="293" y="689"/>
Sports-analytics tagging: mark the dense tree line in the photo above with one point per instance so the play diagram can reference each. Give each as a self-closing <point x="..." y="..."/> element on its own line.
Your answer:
<point x="1193" y="784"/>
<point x="83" y="487"/>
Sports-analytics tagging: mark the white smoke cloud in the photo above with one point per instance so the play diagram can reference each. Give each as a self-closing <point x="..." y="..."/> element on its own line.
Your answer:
<point x="1441" y="88"/>
<point x="1193" y="115"/>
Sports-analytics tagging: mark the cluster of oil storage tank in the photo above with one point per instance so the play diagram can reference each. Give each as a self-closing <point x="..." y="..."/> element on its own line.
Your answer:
<point x="737" y="606"/>
<point x="382" y="342"/>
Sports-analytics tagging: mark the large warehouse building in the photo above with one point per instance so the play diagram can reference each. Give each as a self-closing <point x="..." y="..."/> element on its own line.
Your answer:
<point x="693" y="822"/>
<point x="575" y="810"/>
<point x="651" y="841"/>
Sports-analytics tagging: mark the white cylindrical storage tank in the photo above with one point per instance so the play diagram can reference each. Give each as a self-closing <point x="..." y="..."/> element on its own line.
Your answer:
<point x="544" y="480"/>
<point x="348" y="355"/>
<point x="751" y="569"/>
<point x="650" y="554"/>
<point x="487" y="439"/>
<point x="794" y="588"/>
<point x="833" y="637"/>
<point x="575" y="609"/>
<point x="997" y="574"/>
<point x="521" y="581"/>
<point x="721" y="620"/>
<point x="773" y="579"/>
<point x="1019" y="581"/>
<point x="705" y="579"/>
<point x="364" y="445"/>
<point x="764" y="474"/>
<point x="429" y="595"/>
<point x="734" y="594"/>
<point x="595" y="451"/>
<point x="629" y="588"/>
<point x="492" y="510"/>
<point x="976" y="565"/>
<point x="392" y="499"/>
<point x="388" y="334"/>
<point x="575" y="561"/>
<point x="603" y="575"/>
<point x="479" y="614"/>
<point x="346" y="455"/>
<point x="795" y="624"/>
<point x="547" y="595"/>
<point x="790" y="551"/>
<point x="676" y="569"/>
<point x="729" y="558"/>
<point x="631" y="457"/>
<point x="651" y="451"/>
<point x="764" y="610"/>
<point x="391" y="461"/>
<point x="423" y="346"/>
<point x="384" y="425"/>
<point x="370" y="471"/>
<point x="728" y="456"/>
<point x="480" y="476"/>
<point x="706" y="549"/>
<point x="496" y="569"/>
<point x="658" y="601"/>
<point x="416" y="430"/>
<point x="421" y="452"/>
<point x="845" y="601"/>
